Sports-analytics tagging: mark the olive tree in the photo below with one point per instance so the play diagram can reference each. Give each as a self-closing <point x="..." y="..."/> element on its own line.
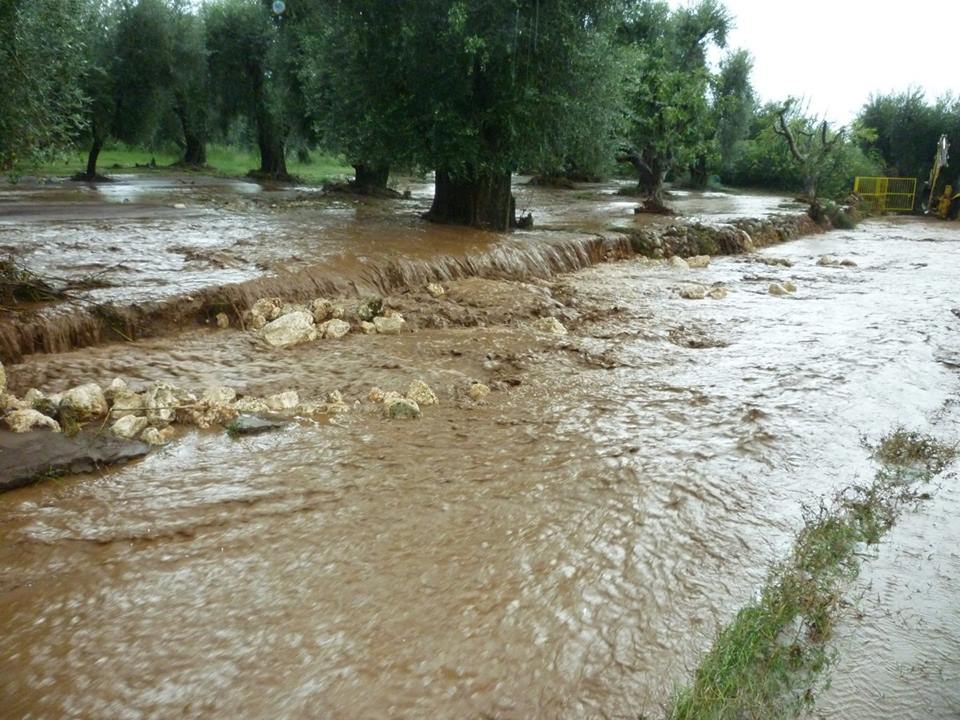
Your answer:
<point x="42" y="61"/>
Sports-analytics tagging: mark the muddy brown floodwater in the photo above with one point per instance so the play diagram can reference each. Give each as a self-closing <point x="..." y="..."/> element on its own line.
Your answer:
<point x="567" y="549"/>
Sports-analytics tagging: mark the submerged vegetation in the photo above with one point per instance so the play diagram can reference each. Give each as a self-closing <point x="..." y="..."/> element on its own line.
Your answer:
<point x="770" y="661"/>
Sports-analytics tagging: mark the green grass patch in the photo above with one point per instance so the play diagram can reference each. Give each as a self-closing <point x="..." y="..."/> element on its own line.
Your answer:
<point x="770" y="661"/>
<point x="222" y="161"/>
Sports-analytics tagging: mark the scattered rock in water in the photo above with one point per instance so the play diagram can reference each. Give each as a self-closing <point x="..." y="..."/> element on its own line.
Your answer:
<point x="717" y="293"/>
<point x="263" y="311"/>
<point x="116" y="386"/>
<point x="32" y="457"/>
<point x="47" y="406"/>
<point x="832" y="261"/>
<point x="335" y="403"/>
<point x="389" y="325"/>
<point x="692" y="292"/>
<point x="550" y="325"/>
<point x="250" y="406"/>
<point x="334" y="329"/>
<point x="293" y="307"/>
<point x="694" y="338"/>
<point x="772" y="261"/>
<point x="777" y="289"/>
<point x="283" y="402"/>
<point x="205" y="414"/>
<point x="436" y="290"/>
<point x="129" y="426"/>
<point x="292" y="329"/>
<point x="478" y="392"/>
<point x="421" y="393"/>
<point x="679" y="263"/>
<point x="161" y="403"/>
<point x="789" y="287"/>
<point x="126" y="402"/>
<point x="267" y="308"/>
<point x="368" y="328"/>
<point x="155" y="436"/>
<point x="324" y="310"/>
<point x="85" y="402"/>
<point x="223" y="321"/>
<point x="9" y="401"/>
<point x="369" y="308"/>
<point x="218" y="394"/>
<point x="698" y="261"/>
<point x="21" y="421"/>
<point x="252" y="425"/>
<point x="401" y="408"/>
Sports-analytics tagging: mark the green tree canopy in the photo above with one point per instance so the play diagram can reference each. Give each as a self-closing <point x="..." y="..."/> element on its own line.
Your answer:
<point x="668" y="86"/>
<point x="473" y="90"/>
<point x="42" y="61"/>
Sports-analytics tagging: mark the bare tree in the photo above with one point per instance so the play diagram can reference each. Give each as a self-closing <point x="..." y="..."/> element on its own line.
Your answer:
<point x="810" y="143"/>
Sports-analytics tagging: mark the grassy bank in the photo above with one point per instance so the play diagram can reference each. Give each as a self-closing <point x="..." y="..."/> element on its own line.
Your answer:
<point x="222" y="160"/>
<point x="770" y="660"/>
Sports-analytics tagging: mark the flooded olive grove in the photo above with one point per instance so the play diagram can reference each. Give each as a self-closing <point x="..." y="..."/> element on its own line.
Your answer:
<point x="564" y="543"/>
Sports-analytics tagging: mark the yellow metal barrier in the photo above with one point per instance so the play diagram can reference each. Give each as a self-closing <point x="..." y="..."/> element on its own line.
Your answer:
<point x="887" y="194"/>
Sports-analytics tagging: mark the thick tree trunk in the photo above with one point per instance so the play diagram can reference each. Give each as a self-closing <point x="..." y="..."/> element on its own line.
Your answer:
<point x="370" y="176"/>
<point x="273" y="161"/>
<point x="92" y="156"/>
<point x="195" y="151"/>
<point x="194" y="145"/>
<point x="650" y="182"/>
<point x="483" y="201"/>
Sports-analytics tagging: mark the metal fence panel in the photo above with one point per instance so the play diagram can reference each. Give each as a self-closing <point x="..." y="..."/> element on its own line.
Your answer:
<point x="887" y="194"/>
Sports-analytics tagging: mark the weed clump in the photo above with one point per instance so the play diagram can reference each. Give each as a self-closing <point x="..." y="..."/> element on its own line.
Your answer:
<point x="770" y="660"/>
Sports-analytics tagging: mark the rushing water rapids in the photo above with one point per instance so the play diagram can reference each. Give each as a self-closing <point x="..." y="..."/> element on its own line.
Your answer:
<point x="566" y="550"/>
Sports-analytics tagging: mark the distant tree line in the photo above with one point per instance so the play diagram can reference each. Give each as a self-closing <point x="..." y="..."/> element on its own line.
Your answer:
<point x="473" y="91"/>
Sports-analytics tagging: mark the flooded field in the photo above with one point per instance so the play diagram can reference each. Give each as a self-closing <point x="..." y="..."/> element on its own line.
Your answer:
<point x="567" y="548"/>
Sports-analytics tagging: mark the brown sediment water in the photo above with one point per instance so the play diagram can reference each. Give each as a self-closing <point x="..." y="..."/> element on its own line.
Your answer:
<point x="567" y="549"/>
<point x="166" y="253"/>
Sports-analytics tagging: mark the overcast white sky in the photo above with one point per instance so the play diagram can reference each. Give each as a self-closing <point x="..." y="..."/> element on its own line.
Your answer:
<point x="836" y="53"/>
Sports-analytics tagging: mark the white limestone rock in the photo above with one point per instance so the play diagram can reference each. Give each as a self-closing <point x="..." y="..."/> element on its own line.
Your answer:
<point x="550" y="325"/>
<point x="283" y="402"/>
<point x="28" y="419"/>
<point x="421" y="393"/>
<point x="129" y="426"/>
<point x="86" y="401"/>
<point x="389" y="325"/>
<point x="334" y="329"/>
<point x="287" y="330"/>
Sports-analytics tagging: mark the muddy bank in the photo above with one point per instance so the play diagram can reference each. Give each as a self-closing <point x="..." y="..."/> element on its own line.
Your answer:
<point x="523" y="256"/>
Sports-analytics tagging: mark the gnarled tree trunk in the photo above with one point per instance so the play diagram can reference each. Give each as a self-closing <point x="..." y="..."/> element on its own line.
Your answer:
<point x="194" y="144"/>
<point x="482" y="201"/>
<point x="92" y="156"/>
<point x="273" y="161"/>
<point x="195" y="151"/>
<point x="651" y="172"/>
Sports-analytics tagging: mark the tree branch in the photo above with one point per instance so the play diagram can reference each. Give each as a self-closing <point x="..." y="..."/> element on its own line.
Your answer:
<point x="784" y="131"/>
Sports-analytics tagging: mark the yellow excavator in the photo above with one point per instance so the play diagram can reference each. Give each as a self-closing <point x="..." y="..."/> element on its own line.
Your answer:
<point x="947" y="204"/>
